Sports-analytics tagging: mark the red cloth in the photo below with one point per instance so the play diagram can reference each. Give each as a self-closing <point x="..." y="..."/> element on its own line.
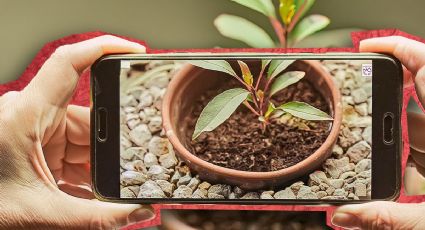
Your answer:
<point x="81" y="97"/>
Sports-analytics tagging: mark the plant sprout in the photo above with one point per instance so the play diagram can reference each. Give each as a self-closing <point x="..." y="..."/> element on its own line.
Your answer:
<point x="290" y="29"/>
<point x="255" y="95"/>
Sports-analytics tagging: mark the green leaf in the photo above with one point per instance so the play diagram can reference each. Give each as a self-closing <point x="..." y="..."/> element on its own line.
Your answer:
<point x="328" y="38"/>
<point x="216" y="65"/>
<point x="287" y="11"/>
<point x="265" y="7"/>
<point x="285" y="80"/>
<point x="306" y="8"/>
<point x="304" y="111"/>
<point x="277" y="66"/>
<point x="219" y="110"/>
<point x="246" y="73"/>
<point x="270" y="109"/>
<point x="264" y="63"/>
<point x="308" y="26"/>
<point x="243" y="30"/>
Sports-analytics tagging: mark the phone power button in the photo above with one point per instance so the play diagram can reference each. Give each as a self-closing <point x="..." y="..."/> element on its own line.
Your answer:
<point x="101" y="124"/>
<point x="388" y="126"/>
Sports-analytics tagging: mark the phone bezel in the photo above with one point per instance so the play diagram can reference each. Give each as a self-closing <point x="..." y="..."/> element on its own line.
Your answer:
<point x="387" y="79"/>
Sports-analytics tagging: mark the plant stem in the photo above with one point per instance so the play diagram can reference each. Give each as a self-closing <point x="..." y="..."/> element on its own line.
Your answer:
<point x="259" y="78"/>
<point x="279" y="30"/>
<point x="246" y="103"/>
<point x="296" y="17"/>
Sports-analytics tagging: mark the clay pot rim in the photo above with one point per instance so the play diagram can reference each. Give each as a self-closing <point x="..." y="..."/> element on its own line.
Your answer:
<point x="333" y="134"/>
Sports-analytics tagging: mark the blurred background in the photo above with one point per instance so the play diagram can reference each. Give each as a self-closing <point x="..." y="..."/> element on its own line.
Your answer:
<point x="28" y="25"/>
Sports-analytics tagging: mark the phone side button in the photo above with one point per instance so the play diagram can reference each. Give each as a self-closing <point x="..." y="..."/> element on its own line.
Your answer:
<point x="388" y="126"/>
<point x="101" y="124"/>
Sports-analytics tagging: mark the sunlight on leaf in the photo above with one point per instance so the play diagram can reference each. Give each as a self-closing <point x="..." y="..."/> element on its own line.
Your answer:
<point x="243" y="30"/>
<point x="246" y="73"/>
<point x="260" y="94"/>
<point x="287" y="10"/>
<point x="277" y="66"/>
<point x="307" y="26"/>
<point x="218" y="110"/>
<point x="265" y="7"/>
<point x="264" y="63"/>
<point x="304" y="111"/>
<point x="285" y="80"/>
<point x="216" y="65"/>
<point x="270" y="109"/>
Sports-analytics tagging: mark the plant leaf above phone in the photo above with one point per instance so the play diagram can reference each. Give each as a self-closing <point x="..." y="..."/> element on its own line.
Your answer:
<point x="290" y="29"/>
<point x="255" y="96"/>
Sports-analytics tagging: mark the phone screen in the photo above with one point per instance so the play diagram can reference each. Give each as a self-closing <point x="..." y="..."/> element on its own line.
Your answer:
<point x="305" y="125"/>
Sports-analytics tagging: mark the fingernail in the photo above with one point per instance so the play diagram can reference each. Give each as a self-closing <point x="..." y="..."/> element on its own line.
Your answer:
<point x="344" y="220"/>
<point x="141" y="214"/>
<point x="139" y="48"/>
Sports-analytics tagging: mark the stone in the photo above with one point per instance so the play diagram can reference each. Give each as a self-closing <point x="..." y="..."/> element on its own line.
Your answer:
<point x="215" y="196"/>
<point x="127" y="101"/>
<point x="150" y="190"/>
<point x="369" y="105"/>
<point x="140" y="135"/>
<point x="182" y="192"/>
<point x="133" y="178"/>
<point x="184" y="180"/>
<point x="150" y="160"/>
<point x="334" y="198"/>
<point x="330" y="190"/>
<point x="160" y="81"/>
<point x="304" y="192"/>
<point x="296" y="186"/>
<point x="145" y="99"/>
<point x="321" y="194"/>
<point x="315" y="188"/>
<point x="339" y="192"/>
<point x="365" y="174"/>
<point x="251" y="195"/>
<point x="318" y="177"/>
<point x="193" y="183"/>
<point x="133" y="123"/>
<point x="348" y="100"/>
<point x="267" y="195"/>
<point x="336" y="183"/>
<point x="200" y="193"/>
<point x="284" y="194"/>
<point x="348" y="137"/>
<point x="367" y="134"/>
<point x="155" y="124"/>
<point x="127" y="193"/>
<point x="157" y="172"/>
<point x="362" y="122"/>
<point x="150" y="112"/>
<point x="159" y="146"/>
<point x="220" y="189"/>
<point x="136" y="165"/>
<point x="204" y="185"/>
<point x="359" y="95"/>
<point x="360" y="189"/>
<point x="334" y="167"/>
<point x="347" y="175"/>
<point x="168" y="160"/>
<point x="156" y="92"/>
<point x="238" y="191"/>
<point x="165" y="186"/>
<point x="363" y="165"/>
<point x="323" y="186"/>
<point x="337" y="151"/>
<point x="361" y="109"/>
<point x="128" y="154"/>
<point x="358" y="151"/>
<point x="175" y="178"/>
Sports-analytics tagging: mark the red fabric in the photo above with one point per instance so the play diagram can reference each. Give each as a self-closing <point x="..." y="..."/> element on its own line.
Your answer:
<point x="81" y="97"/>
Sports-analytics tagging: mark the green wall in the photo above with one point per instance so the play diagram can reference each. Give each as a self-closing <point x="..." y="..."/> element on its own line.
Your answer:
<point x="27" y="24"/>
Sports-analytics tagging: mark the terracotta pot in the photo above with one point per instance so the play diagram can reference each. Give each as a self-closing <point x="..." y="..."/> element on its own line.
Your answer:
<point x="191" y="82"/>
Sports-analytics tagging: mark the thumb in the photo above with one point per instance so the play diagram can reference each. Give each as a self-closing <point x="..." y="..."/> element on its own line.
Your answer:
<point x="94" y="214"/>
<point x="380" y="215"/>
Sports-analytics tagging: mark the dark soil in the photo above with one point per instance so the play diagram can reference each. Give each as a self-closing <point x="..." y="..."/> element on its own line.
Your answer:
<point x="240" y="144"/>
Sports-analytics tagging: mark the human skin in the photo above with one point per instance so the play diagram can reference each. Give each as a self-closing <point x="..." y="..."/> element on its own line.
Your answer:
<point x="385" y="214"/>
<point x="44" y="148"/>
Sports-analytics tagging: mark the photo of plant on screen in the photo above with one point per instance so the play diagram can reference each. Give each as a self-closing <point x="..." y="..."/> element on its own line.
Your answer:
<point x="246" y="129"/>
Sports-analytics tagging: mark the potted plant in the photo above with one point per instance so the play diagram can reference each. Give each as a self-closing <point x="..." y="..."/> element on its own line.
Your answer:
<point x="252" y="124"/>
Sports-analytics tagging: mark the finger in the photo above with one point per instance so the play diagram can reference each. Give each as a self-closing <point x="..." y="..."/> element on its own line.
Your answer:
<point x="77" y="154"/>
<point x="76" y="174"/>
<point x="78" y="125"/>
<point x="380" y="215"/>
<point x="76" y="191"/>
<point x="409" y="52"/>
<point x="56" y="80"/>
<point x="416" y="124"/>
<point x="103" y="215"/>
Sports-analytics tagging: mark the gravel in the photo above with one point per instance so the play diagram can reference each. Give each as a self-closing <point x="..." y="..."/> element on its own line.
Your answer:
<point x="150" y="168"/>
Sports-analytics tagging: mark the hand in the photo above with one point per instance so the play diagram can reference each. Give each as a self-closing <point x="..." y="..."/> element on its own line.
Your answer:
<point x="389" y="215"/>
<point x="44" y="148"/>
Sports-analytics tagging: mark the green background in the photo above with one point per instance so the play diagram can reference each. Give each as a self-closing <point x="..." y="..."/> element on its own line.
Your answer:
<point x="28" y="24"/>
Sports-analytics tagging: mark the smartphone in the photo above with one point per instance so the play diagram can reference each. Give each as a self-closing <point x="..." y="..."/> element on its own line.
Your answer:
<point x="246" y="128"/>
